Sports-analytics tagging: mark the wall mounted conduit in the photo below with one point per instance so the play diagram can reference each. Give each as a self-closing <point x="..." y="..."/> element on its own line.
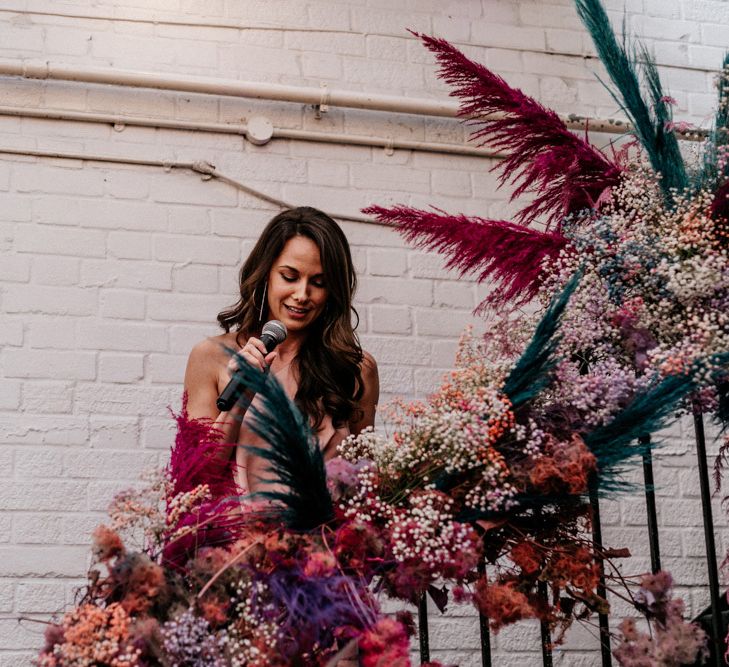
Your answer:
<point x="241" y="129"/>
<point x="276" y="92"/>
<point x="206" y="170"/>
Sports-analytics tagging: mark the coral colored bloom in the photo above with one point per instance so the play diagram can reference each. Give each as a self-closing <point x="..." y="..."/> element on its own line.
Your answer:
<point x="319" y="564"/>
<point x="94" y="636"/>
<point x="565" y="468"/>
<point x="526" y="557"/>
<point x="106" y="543"/>
<point x="502" y="603"/>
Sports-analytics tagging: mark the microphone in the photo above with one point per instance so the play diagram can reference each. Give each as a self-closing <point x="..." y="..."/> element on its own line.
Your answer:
<point x="273" y="333"/>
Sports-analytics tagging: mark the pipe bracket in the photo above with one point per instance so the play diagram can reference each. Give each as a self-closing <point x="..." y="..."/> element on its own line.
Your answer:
<point x="323" y="105"/>
<point x="205" y="169"/>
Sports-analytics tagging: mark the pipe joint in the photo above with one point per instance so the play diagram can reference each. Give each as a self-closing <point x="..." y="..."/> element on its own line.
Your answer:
<point x="205" y="169"/>
<point x="36" y="69"/>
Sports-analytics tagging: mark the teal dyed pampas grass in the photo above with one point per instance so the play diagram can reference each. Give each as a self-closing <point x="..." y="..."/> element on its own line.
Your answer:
<point x="715" y="168"/>
<point x="531" y="373"/>
<point x="649" y="111"/>
<point x="292" y="453"/>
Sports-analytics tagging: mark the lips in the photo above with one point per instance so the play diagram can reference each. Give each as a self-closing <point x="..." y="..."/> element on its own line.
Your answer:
<point x="293" y="310"/>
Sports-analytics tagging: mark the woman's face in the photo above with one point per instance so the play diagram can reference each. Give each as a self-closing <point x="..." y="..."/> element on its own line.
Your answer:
<point x="296" y="290"/>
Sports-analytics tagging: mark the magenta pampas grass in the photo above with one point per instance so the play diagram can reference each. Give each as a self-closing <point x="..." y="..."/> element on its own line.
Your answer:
<point x="196" y="460"/>
<point x="720" y="205"/>
<point x="508" y="253"/>
<point x="565" y="172"/>
<point x="195" y="457"/>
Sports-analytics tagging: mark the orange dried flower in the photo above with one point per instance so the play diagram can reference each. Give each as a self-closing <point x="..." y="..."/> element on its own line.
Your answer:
<point x="94" y="636"/>
<point x="565" y="468"/>
<point x="502" y="603"/>
<point x="526" y="557"/>
<point x="106" y="543"/>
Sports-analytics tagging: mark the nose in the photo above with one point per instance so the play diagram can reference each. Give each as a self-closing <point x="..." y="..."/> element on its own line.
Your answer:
<point x="301" y="290"/>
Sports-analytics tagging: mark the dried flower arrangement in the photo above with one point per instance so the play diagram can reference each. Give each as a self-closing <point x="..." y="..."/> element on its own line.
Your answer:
<point x="495" y="467"/>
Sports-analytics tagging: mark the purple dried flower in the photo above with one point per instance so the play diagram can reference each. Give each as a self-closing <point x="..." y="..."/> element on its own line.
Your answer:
<point x="190" y="642"/>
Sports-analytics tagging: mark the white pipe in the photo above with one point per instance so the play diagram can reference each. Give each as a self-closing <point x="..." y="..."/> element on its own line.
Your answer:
<point x="231" y="87"/>
<point x="238" y="129"/>
<point x="199" y="167"/>
<point x="379" y="142"/>
<point x="117" y="119"/>
<point x="205" y="169"/>
<point x="273" y="91"/>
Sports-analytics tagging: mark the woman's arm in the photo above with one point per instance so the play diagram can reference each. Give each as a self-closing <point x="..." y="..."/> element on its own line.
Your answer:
<point x="371" y="394"/>
<point x="205" y="368"/>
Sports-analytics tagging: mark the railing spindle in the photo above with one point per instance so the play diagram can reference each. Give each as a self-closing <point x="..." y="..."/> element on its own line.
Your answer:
<point x="544" y="629"/>
<point x="483" y="628"/>
<point x="607" y="659"/>
<point x="650" y="504"/>
<point x="716" y="622"/>
<point x="423" y="628"/>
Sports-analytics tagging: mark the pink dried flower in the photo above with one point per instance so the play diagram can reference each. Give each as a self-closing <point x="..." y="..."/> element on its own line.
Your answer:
<point x="319" y="564"/>
<point x="673" y="641"/>
<point x="385" y="645"/>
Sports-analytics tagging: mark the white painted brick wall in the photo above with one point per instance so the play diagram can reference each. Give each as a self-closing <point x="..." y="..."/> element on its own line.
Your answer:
<point x="109" y="274"/>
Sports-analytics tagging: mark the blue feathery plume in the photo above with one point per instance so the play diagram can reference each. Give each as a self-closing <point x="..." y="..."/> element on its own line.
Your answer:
<point x="652" y="122"/>
<point x="649" y="411"/>
<point x="293" y="453"/>
<point x="710" y="177"/>
<point x="531" y="373"/>
<point x="615" y="443"/>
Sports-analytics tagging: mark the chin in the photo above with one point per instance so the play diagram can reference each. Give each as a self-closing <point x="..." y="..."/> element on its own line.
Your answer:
<point x="298" y="325"/>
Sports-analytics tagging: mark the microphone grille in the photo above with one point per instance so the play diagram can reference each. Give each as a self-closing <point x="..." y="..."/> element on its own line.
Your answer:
<point x="275" y="329"/>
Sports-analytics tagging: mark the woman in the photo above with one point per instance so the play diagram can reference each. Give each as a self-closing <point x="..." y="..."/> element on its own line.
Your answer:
<point x="299" y="272"/>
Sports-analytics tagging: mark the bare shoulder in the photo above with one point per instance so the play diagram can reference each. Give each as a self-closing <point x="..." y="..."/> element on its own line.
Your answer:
<point x="370" y="377"/>
<point x="368" y="367"/>
<point x="207" y="356"/>
<point x="365" y="415"/>
<point x="206" y="374"/>
<point x="212" y="349"/>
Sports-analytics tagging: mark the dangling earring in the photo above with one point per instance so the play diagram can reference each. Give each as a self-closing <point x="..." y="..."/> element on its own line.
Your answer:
<point x="263" y="301"/>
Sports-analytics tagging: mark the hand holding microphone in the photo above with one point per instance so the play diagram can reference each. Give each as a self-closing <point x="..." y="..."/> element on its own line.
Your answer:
<point x="273" y="333"/>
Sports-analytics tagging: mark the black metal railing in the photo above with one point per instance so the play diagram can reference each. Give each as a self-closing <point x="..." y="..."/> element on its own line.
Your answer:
<point x="714" y="619"/>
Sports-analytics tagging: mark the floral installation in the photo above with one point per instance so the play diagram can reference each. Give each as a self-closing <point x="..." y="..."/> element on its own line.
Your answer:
<point x="295" y="577"/>
<point x="220" y="582"/>
<point x="502" y="456"/>
<point x="479" y="493"/>
<point x="645" y="231"/>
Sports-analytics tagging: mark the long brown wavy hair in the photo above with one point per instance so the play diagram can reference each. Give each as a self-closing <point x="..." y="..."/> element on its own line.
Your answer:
<point x="329" y="360"/>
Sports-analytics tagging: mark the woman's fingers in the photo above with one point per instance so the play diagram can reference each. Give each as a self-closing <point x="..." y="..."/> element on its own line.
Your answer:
<point x="258" y="345"/>
<point x="255" y="353"/>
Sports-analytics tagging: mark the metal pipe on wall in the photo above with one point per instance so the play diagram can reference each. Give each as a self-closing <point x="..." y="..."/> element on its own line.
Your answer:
<point x="205" y="169"/>
<point x="229" y="87"/>
<point x="320" y="97"/>
<point x="242" y="129"/>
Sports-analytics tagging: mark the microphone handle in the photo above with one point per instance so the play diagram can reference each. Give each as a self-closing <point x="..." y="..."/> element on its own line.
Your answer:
<point x="230" y="395"/>
<point x="235" y="387"/>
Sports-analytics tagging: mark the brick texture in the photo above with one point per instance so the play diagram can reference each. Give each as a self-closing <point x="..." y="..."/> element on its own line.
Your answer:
<point x="110" y="273"/>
